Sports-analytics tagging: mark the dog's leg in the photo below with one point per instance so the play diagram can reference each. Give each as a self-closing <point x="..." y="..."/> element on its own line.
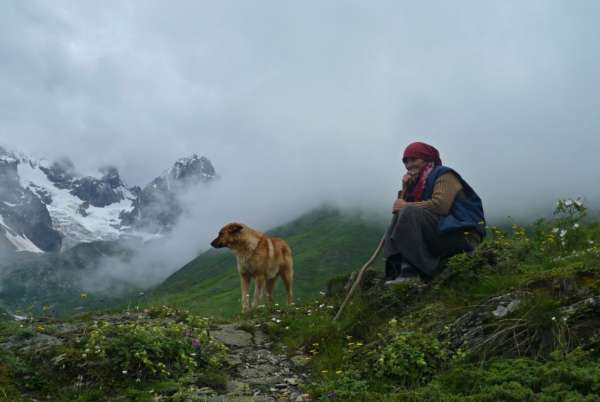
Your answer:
<point x="270" y="287"/>
<point x="259" y="285"/>
<point x="244" y="282"/>
<point x="287" y="274"/>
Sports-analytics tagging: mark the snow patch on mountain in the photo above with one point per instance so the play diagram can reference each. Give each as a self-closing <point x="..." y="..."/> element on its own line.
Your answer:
<point x="20" y="242"/>
<point x="70" y="215"/>
<point x="51" y="207"/>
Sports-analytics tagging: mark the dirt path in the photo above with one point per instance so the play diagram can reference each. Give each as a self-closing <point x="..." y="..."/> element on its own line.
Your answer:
<point x="256" y="373"/>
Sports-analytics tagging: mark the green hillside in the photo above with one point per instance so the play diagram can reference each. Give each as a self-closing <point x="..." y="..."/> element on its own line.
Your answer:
<point x="324" y="242"/>
<point x="517" y="320"/>
<point x="50" y="283"/>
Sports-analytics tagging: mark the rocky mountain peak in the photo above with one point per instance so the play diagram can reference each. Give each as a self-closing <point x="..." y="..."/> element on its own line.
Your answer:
<point x="193" y="167"/>
<point x="61" y="172"/>
<point x="49" y="206"/>
<point x="157" y="206"/>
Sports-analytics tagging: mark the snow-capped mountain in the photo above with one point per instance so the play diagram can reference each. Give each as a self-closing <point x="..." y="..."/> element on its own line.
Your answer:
<point x="49" y="207"/>
<point x="156" y="206"/>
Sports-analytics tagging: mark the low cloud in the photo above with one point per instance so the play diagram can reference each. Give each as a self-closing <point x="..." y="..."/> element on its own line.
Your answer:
<point x="303" y="103"/>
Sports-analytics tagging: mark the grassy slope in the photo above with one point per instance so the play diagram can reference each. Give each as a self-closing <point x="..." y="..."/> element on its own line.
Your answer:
<point x="399" y="343"/>
<point x="392" y="344"/>
<point x="325" y="243"/>
<point x="32" y="281"/>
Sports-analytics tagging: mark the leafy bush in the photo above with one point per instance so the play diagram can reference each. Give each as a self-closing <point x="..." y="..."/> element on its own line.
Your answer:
<point x="410" y="358"/>
<point x="148" y="349"/>
<point x="124" y="353"/>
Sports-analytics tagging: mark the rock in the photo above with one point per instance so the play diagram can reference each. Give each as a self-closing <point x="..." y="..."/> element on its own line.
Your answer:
<point x="22" y="211"/>
<point x="587" y="307"/>
<point x="233" y="360"/>
<point x="35" y="343"/>
<point x="157" y="205"/>
<point x="473" y="326"/>
<point x="107" y="190"/>
<point x="206" y="391"/>
<point x="237" y="388"/>
<point x="503" y="310"/>
<point x="300" y="360"/>
<point x="231" y="336"/>
<point x="292" y="381"/>
<point x="261" y="374"/>
<point x="256" y="370"/>
<point x="260" y="338"/>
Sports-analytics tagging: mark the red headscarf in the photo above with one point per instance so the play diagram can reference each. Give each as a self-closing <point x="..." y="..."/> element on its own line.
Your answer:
<point x="423" y="151"/>
<point x="430" y="155"/>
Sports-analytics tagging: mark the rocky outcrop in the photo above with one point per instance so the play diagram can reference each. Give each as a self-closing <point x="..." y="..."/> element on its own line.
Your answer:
<point x="157" y="206"/>
<point x="475" y="327"/>
<point x="24" y="219"/>
<point x="255" y="370"/>
<point x="101" y="192"/>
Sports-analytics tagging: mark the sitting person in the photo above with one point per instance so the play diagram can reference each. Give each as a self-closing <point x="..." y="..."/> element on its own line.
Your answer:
<point x="437" y="214"/>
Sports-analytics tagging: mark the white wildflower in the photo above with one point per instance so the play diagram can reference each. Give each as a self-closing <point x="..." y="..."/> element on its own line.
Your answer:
<point x="563" y="233"/>
<point x="124" y="371"/>
<point x="568" y="203"/>
<point x="553" y="318"/>
<point x="555" y="230"/>
<point x="575" y="226"/>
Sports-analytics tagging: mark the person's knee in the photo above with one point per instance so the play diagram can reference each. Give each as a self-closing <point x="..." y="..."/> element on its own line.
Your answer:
<point x="409" y="211"/>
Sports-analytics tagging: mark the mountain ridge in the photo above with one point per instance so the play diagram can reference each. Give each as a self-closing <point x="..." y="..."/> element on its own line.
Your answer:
<point x="48" y="206"/>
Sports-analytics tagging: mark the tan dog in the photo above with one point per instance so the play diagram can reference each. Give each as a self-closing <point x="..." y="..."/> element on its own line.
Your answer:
<point x="260" y="257"/>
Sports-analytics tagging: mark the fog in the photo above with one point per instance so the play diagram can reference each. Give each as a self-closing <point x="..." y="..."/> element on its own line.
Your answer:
<point x="303" y="103"/>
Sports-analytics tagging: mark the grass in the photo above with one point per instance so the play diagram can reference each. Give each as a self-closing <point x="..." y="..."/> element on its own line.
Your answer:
<point x="143" y="355"/>
<point x="435" y="342"/>
<point x="401" y="344"/>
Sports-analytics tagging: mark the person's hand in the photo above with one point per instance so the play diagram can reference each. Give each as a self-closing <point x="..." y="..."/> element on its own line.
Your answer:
<point x="409" y="178"/>
<point x="398" y="205"/>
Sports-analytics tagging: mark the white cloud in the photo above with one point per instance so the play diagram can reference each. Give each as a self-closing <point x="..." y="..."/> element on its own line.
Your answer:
<point x="302" y="102"/>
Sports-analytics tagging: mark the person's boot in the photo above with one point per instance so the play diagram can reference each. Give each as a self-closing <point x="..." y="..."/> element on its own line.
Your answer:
<point x="408" y="273"/>
<point x="393" y="267"/>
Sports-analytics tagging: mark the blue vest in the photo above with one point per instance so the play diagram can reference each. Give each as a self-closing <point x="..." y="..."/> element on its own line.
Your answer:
<point x="466" y="211"/>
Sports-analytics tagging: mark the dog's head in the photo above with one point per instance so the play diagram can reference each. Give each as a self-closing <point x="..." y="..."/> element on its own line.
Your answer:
<point x="228" y="235"/>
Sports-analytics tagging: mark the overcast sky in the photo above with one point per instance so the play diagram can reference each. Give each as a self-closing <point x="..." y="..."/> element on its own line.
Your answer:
<point x="299" y="102"/>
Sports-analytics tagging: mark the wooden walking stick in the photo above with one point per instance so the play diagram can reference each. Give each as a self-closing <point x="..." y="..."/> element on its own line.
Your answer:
<point x="364" y="268"/>
<point x="359" y="277"/>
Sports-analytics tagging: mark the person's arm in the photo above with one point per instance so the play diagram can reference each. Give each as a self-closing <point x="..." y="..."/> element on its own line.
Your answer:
<point x="444" y="192"/>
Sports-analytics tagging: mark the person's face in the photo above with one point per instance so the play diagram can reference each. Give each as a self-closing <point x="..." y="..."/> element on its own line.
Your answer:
<point x="413" y="166"/>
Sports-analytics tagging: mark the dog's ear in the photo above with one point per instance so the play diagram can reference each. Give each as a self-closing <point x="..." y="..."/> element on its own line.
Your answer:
<point x="234" y="228"/>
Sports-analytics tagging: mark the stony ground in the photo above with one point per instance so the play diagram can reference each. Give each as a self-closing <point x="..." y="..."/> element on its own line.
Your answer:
<point x="256" y="373"/>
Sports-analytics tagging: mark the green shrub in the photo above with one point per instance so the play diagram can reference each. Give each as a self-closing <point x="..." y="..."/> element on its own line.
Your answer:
<point x="149" y="349"/>
<point x="410" y="358"/>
